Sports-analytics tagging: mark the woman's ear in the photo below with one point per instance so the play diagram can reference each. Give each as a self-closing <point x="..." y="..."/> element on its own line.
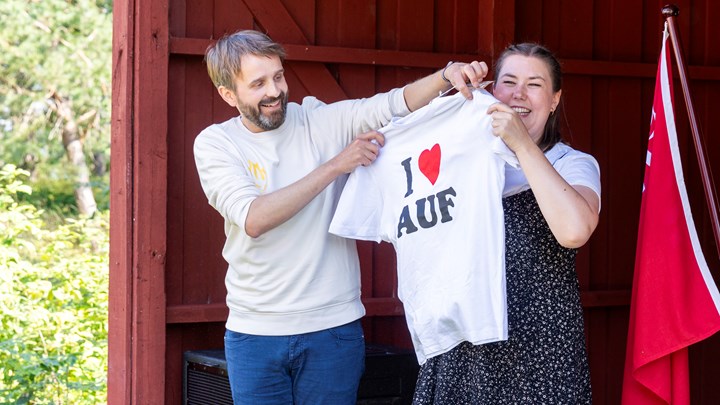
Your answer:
<point x="556" y="100"/>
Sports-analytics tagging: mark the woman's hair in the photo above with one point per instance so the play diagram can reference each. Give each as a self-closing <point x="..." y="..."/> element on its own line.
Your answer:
<point x="551" y="134"/>
<point x="223" y="57"/>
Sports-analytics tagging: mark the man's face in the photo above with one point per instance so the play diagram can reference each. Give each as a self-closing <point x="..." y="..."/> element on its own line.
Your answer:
<point x="260" y="93"/>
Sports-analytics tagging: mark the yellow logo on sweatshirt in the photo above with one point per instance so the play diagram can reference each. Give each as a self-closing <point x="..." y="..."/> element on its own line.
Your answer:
<point x="259" y="174"/>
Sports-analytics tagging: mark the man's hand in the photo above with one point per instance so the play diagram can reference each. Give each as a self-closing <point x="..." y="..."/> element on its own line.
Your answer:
<point x="362" y="151"/>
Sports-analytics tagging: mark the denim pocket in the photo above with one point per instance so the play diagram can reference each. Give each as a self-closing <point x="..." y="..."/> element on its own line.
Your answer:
<point x="235" y="337"/>
<point x="349" y="331"/>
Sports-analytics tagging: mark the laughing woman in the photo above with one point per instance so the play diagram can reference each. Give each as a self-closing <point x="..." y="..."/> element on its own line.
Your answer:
<point x="551" y="205"/>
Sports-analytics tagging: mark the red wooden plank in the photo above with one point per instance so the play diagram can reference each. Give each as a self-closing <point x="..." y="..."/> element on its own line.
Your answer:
<point x="576" y="30"/>
<point x="704" y="371"/>
<point x="528" y="21"/>
<point x="365" y="255"/>
<point x="150" y="201"/>
<point x="577" y="114"/>
<point x="337" y="54"/>
<point x="328" y="54"/>
<point x="277" y="21"/>
<point x="230" y="16"/>
<point x="711" y="46"/>
<point x="120" y="319"/>
<point x="203" y="270"/>
<point x="414" y="26"/>
<point x="384" y="270"/>
<point x="495" y="26"/>
<point x="446" y="30"/>
<point x="356" y="28"/>
<point x="464" y="22"/>
<point x="175" y="186"/>
<point x="317" y="81"/>
<point x="326" y="14"/>
<point x="626" y="34"/>
<point x="606" y="298"/>
<point x="177" y="18"/>
<point x="414" y="31"/>
<point x="601" y="239"/>
<point x="199" y="18"/>
<point x="197" y="313"/>
<point x="387" y="14"/>
<point x="303" y="13"/>
<point x="597" y="348"/>
<point x="625" y="168"/>
<point x="616" y="336"/>
<point x="385" y="305"/>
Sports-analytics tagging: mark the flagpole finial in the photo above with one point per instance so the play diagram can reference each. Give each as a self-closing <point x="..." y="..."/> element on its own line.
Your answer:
<point x="670" y="10"/>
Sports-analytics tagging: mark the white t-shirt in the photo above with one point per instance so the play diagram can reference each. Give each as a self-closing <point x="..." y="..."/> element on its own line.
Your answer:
<point x="435" y="193"/>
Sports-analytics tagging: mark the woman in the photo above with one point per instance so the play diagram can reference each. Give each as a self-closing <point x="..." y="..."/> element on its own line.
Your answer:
<point x="551" y="208"/>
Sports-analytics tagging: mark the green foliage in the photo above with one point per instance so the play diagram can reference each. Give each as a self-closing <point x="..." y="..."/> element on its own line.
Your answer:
<point x="55" y="52"/>
<point x="53" y="266"/>
<point x="53" y="302"/>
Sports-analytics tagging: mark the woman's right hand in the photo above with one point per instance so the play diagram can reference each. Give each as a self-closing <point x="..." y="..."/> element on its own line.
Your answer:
<point x="507" y="124"/>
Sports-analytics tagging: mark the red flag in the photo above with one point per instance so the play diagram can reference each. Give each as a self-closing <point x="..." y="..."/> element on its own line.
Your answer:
<point x="675" y="301"/>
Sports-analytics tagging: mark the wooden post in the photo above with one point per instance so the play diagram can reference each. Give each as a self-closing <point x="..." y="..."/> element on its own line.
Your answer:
<point x="671" y="11"/>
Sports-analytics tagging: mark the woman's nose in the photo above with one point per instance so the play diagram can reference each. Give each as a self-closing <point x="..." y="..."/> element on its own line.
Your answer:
<point x="519" y="92"/>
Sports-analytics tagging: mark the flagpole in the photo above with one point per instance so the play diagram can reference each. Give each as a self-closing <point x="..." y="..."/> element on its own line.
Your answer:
<point x="671" y="11"/>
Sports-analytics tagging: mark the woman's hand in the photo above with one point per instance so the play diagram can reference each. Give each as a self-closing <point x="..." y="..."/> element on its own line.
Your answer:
<point x="461" y="75"/>
<point x="507" y="124"/>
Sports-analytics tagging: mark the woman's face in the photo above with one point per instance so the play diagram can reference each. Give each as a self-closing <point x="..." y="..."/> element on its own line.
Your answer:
<point x="524" y="83"/>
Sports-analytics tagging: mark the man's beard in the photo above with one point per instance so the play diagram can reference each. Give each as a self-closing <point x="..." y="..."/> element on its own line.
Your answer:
<point x="266" y="122"/>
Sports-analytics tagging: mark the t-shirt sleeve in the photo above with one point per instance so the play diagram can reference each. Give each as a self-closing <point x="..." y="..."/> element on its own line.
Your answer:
<point x="580" y="169"/>
<point x="359" y="210"/>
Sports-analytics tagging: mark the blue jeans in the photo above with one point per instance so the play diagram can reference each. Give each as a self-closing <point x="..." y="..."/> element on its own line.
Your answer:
<point x="321" y="367"/>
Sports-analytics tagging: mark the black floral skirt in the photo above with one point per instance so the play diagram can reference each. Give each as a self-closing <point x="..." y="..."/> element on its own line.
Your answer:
<point x="544" y="360"/>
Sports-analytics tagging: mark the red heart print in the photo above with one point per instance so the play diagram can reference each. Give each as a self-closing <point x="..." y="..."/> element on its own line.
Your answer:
<point x="429" y="163"/>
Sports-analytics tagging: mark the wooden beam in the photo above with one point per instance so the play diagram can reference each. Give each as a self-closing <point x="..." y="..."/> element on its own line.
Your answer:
<point x="198" y="313"/>
<point x="389" y="306"/>
<point x="138" y="204"/>
<point x="120" y="320"/>
<point x="329" y="54"/>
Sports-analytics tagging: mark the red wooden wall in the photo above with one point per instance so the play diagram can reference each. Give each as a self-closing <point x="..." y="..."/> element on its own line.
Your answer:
<point x="166" y="282"/>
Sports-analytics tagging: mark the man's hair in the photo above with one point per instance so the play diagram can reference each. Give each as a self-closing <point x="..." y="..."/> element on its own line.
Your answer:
<point x="223" y="57"/>
<point x="551" y="134"/>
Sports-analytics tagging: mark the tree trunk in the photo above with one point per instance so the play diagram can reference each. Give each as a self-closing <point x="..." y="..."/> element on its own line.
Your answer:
<point x="84" y="197"/>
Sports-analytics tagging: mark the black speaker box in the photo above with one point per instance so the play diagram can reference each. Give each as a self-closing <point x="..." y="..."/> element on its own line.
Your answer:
<point x="389" y="379"/>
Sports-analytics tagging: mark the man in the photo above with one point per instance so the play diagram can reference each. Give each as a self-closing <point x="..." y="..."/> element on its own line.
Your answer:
<point x="275" y="173"/>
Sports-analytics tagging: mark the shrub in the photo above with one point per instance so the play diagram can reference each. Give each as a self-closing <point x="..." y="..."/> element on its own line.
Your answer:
<point x="53" y="302"/>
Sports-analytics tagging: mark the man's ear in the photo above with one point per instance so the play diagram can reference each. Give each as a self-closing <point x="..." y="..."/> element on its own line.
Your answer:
<point x="227" y="95"/>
